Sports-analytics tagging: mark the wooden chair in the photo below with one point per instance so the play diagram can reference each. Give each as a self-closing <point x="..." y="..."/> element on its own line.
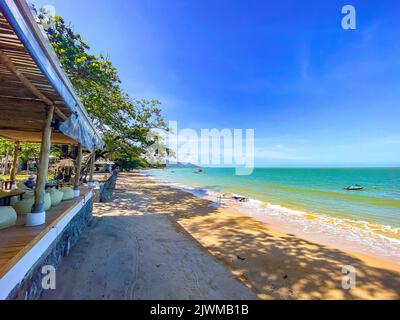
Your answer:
<point x="8" y="184"/>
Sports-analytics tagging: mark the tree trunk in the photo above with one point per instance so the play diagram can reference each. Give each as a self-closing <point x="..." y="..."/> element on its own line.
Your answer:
<point x="14" y="167"/>
<point x="5" y="168"/>
<point x="92" y="162"/>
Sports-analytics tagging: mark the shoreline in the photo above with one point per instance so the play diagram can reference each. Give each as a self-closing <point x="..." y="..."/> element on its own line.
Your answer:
<point x="164" y="243"/>
<point x="353" y="239"/>
<point x="272" y="263"/>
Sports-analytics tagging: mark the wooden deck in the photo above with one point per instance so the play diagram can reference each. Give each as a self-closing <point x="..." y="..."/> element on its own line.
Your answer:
<point x="16" y="241"/>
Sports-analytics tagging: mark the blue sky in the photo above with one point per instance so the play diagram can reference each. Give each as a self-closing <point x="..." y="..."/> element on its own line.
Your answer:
<point x="316" y="95"/>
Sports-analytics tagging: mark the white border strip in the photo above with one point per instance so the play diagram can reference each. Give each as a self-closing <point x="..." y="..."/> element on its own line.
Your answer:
<point x="17" y="273"/>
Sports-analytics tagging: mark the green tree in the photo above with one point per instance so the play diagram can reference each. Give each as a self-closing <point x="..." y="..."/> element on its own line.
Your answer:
<point x="125" y="123"/>
<point x="6" y="147"/>
<point x="29" y="150"/>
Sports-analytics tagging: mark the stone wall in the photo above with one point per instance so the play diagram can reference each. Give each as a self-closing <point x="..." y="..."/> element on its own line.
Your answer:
<point x="31" y="287"/>
<point x="107" y="188"/>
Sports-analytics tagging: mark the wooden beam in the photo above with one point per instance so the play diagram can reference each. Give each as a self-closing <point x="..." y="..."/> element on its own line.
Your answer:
<point x="78" y="168"/>
<point x="14" y="166"/>
<point x="6" y="61"/>
<point x="43" y="167"/>
<point x="24" y="100"/>
<point x="35" y="136"/>
<point x="60" y="114"/>
<point x="22" y="126"/>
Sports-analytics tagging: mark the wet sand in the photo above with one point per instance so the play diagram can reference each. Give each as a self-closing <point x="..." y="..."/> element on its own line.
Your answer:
<point x="156" y="242"/>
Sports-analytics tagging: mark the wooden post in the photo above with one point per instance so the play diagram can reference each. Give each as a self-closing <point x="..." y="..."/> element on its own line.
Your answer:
<point x="78" y="167"/>
<point x="92" y="162"/>
<point x="43" y="170"/>
<point x="14" y="167"/>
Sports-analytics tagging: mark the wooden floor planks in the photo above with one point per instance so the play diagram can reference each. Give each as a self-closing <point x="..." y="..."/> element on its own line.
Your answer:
<point x="16" y="241"/>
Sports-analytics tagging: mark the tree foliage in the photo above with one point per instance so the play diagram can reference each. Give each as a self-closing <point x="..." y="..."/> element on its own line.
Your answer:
<point x="124" y="122"/>
<point x="6" y="147"/>
<point x="27" y="150"/>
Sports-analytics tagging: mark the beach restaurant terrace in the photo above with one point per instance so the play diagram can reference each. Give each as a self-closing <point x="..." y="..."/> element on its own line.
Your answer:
<point x="39" y="105"/>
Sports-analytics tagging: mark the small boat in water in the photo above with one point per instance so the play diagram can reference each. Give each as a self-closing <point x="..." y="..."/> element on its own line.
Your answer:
<point x="240" y="198"/>
<point x="354" y="188"/>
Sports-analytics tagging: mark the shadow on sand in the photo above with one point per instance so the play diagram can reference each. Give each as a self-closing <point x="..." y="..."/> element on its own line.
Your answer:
<point x="273" y="265"/>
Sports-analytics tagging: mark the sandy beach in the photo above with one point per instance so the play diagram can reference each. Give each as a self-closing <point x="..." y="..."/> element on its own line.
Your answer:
<point x="132" y="249"/>
<point x="157" y="242"/>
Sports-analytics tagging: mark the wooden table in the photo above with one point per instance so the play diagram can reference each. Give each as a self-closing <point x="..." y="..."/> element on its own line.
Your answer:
<point x="6" y="196"/>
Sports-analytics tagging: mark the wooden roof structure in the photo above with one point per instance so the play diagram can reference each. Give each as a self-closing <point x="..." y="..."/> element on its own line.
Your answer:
<point x="31" y="79"/>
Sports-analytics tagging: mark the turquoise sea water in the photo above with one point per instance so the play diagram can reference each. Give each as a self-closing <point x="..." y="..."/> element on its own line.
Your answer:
<point x="316" y="191"/>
